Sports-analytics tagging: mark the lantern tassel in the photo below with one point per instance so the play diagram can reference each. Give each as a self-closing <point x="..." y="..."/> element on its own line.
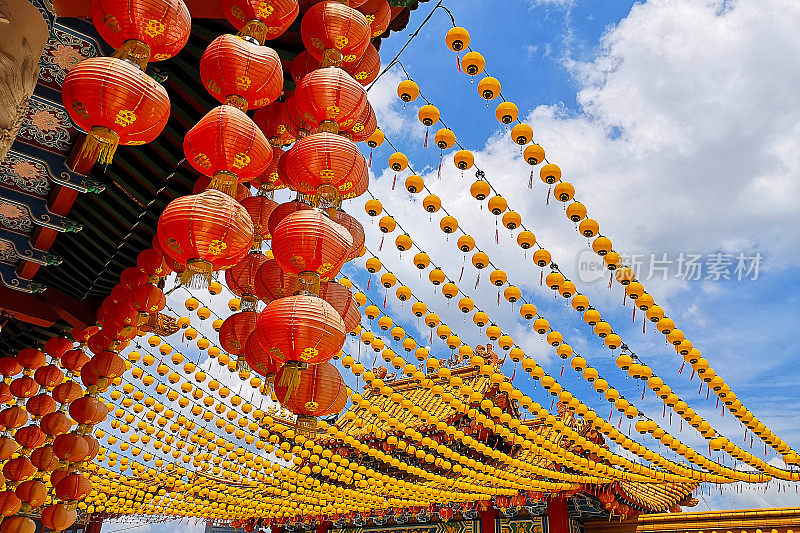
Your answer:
<point x="197" y="274"/>
<point x="425" y="144"/>
<point x="370" y="159"/>
<point x="548" y="196"/>
<point x="255" y="29"/>
<point x="394" y="181"/>
<point x="100" y="145"/>
<point x="530" y="181"/>
<point x="134" y="50"/>
<point x="458" y="62"/>
<point x="439" y="171"/>
<point x="224" y="182"/>
<point x="290" y="377"/>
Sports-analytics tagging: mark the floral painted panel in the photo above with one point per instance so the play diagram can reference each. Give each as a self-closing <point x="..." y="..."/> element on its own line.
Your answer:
<point x="7" y="253"/>
<point x="15" y="218"/>
<point x="27" y="175"/>
<point x="65" y="48"/>
<point x="48" y="125"/>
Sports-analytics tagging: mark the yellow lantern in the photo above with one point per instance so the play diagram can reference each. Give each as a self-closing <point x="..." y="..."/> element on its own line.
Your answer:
<point x="407" y="90"/>
<point x="489" y="88"/>
<point x="457" y="38"/>
<point x="506" y="112"/>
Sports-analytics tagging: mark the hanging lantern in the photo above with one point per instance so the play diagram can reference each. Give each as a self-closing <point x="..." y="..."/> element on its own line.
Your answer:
<point x="364" y="126"/>
<point x="334" y="33"/>
<point x="329" y="99"/>
<point x="356" y="231"/>
<point x="235" y="331"/>
<point x="115" y="103"/>
<point x="366" y="69"/>
<point x="272" y="282"/>
<point x="259" y="208"/>
<point x="205" y="232"/>
<point x="240" y="73"/>
<point x="274" y="124"/>
<point x="378" y="14"/>
<point x="282" y="211"/>
<point x="143" y="30"/>
<point x="343" y="301"/>
<point x="308" y="241"/>
<point x="320" y="392"/>
<point x="322" y="161"/>
<point x="227" y="146"/>
<point x="260" y="20"/>
<point x="240" y="279"/>
<point x="300" y="330"/>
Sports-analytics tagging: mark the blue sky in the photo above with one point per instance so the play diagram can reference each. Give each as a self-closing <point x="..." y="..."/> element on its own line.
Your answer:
<point x="678" y="123"/>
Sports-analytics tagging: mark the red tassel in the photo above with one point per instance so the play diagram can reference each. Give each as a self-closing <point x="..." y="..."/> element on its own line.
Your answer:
<point x="644" y="323"/>
<point x="514" y="373"/>
<point x="370" y="159"/>
<point x="548" y="196"/>
<point x="681" y="424"/>
<point x="610" y="280"/>
<point x="619" y="424"/>
<point x="496" y="236"/>
<point x="478" y="280"/>
<point x="380" y="246"/>
<point x="692" y="376"/>
<point x="610" y="415"/>
<point x="633" y="318"/>
<point x="461" y="275"/>
<point x="541" y="277"/>
<point x="439" y="171"/>
<point x="665" y="411"/>
<point x="681" y="369"/>
<point x="643" y="391"/>
<point x="717" y="406"/>
<point x="723" y="410"/>
<point x="369" y="281"/>
<point x="708" y="393"/>
<point x="530" y="181"/>
<point x="562" y="371"/>
<point x="425" y="145"/>
<point x="498" y="298"/>
<point x="625" y="299"/>
<point x="394" y="182"/>
<point x="700" y="389"/>
<point x="458" y="62"/>
<point x="384" y="302"/>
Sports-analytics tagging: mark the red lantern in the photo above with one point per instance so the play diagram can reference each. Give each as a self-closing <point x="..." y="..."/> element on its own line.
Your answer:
<point x="73" y="360"/>
<point x="242" y="190"/>
<point x="55" y="423"/>
<point x="24" y="387"/>
<point x="256" y="354"/>
<point x="445" y="513"/>
<point x="324" y="159"/>
<point x="40" y="405"/>
<point x="88" y="410"/>
<point x="301" y="328"/>
<point x="131" y="278"/>
<point x="235" y="331"/>
<point x="240" y="73"/>
<point x="240" y="278"/>
<point x="116" y="103"/>
<point x="5" y="392"/>
<point x="260" y="20"/>
<point x="274" y="124"/>
<point x="260" y="208"/>
<point x="151" y="262"/>
<point x="108" y="365"/>
<point x="71" y="447"/>
<point x="378" y="14"/>
<point x="334" y="33"/>
<point x="13" y="417"/>
<point x="344" y="302"/>
<point x="271" y="179"/>
<point x="33" y="492"/>
<point x="9" y="366"/>
<point x="302" y="64"/>
<point x="321" y="391"/>
<point x="31" y="358"/>
<point x="143" y="30"/>
<point x="73" y="487"/>
<point x="8" y="447"/>
<point x="19" y="469"/>
<point x="205" y="232"/>
<point x="59" y="516"/>
<point x="82" y="335"/>
<point x="44" y="459"/>
<point x="10" y="505"/>
<point x="299" y="127"/>
<point x="272" y="282"/>
<point x="56" y="346"/>
<point x="366" y="69"/>
<point x="18" y="524"/>
<point x="148" y="299"/>
<point x="330" y="99"/>
<point x="364" y="126"/>
<point x="30" y="437"/>
<point x="280" y="212"/>
<point x="308" y="241"/>
<point x="227" y="145"/>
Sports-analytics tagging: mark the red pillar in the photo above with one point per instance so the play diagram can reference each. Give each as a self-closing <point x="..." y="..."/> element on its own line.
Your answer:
<point x="488" y="520"/>
<point x="94" y="525"/>
<point x="558" y="515"/>
<point x="324" y="527"/>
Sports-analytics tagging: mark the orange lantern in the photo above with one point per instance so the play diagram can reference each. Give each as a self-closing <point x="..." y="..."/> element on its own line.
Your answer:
<point x="59" y="516"/>
<point x="227" y="145"/>
<point x="260" y="20"/>
<point x="115" y="103"/>
<point x="143" y="30"/>
<point x="329" y="99"/>
<point x="240" y="73"/>
<point x="324" y="159"/>
<point x="56" y="346"/>
<point x="73" y="487"/>
<point x="320" y="391"/>
<point x="205" y="232"/>
<point x="309" y="242"/>
<point x="274" y="124"/>
<point x="334" y="33"/>
<point x="272" y="283"/>
<point x="240" y="278"/>
<point x="235" y="331"/>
